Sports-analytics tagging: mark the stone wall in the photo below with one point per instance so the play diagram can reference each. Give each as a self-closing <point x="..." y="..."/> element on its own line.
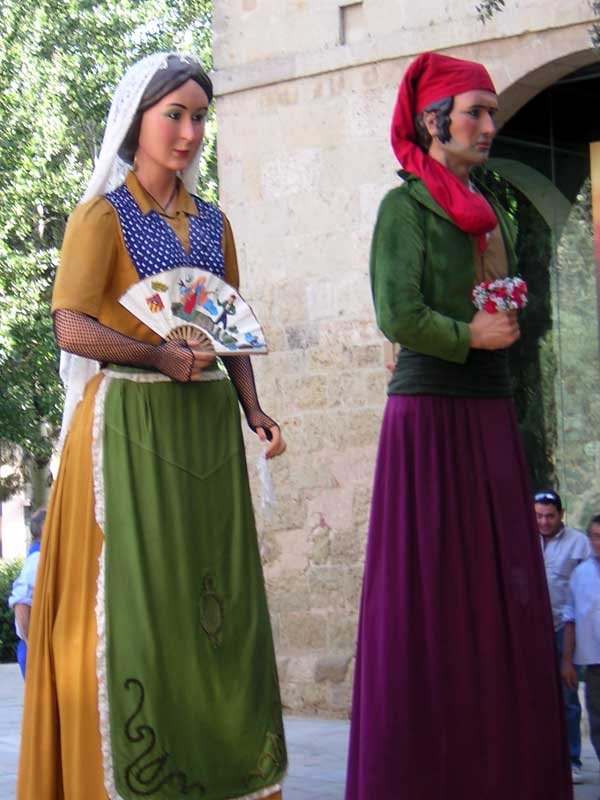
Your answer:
<point x="304" y="161"/>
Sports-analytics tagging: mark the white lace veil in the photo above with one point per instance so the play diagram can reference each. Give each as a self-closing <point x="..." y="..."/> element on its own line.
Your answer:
<point x="109" y="173"/>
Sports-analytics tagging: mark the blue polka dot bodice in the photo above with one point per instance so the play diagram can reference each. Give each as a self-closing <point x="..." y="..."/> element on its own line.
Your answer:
<point x="153" y="245"/>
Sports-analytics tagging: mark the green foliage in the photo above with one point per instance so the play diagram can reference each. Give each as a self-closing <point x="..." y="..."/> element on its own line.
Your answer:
<point x="595" y="29"/>
<point x="8" y="638"/>
<point x="59" y="64"/>
<point x="488" y="8"/>
<point x="575" y="303"/>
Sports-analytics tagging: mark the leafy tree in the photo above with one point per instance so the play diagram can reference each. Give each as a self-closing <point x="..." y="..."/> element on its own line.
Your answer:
<point x="8" y="637"/>
<point x="59" y="65"/>
<point x="488" y="8"/>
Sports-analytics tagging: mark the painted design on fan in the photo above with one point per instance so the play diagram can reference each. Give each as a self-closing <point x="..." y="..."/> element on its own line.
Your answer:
<point x="192" y="295"/>
<point x="196" y="304"/>
<point x="228" y="308"/>
<point x="155" y="303"/>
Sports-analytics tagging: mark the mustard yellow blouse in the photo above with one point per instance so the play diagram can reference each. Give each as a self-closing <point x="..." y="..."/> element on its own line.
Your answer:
<point x="95" y="268"/>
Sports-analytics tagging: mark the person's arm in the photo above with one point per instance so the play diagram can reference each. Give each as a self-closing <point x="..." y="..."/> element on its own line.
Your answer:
<point x="239" y="368"/>
<point x="22" y="616"/>
<point x="87" y="262"/>
<point x="397" y="261"/>
<point x="567" y="668"/>
<point x="584" y="550"/>
<point x="21" y="596"/>
<point x="241" y="373"/>
<point x="81" y="334"/>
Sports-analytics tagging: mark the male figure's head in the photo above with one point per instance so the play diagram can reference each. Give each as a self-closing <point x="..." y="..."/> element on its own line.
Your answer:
<point x="593" y="531"/>
<point x="36" y="524"/>
<point x="549" y="513"/>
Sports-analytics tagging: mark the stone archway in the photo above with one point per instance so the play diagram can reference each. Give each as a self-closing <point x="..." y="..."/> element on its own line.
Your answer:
<point x="537" y="62"/>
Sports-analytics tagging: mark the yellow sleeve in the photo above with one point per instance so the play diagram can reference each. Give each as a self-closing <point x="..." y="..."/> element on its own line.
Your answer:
<point x="232" y="273"/>
<point x="87" y="258"/>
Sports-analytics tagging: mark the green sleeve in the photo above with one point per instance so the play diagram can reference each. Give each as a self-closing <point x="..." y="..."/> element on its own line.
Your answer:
<point x="397" y="261"/>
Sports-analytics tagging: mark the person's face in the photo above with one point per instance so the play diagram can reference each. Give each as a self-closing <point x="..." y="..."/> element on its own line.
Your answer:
<point x="594" y="535"/>
<point x="172" y="130"/>
<point x="472" y="130"/>
<point x="549" y="519"/>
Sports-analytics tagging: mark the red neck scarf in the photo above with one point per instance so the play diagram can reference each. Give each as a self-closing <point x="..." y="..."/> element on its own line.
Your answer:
<point x="429" y="78"/>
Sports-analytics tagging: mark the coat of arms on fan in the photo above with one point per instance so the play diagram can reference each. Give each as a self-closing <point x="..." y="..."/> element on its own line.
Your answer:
<point x="192" y="303"/>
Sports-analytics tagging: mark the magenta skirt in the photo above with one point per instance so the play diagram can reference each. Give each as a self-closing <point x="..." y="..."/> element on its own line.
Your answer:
<point x="456" y="692"/>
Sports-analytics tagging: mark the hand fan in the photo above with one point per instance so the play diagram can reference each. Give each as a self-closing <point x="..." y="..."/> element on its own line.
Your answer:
<point x="192" y="303"/>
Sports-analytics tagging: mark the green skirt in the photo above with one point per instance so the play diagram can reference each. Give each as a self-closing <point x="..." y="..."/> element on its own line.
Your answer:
<point x="188" y="690"/>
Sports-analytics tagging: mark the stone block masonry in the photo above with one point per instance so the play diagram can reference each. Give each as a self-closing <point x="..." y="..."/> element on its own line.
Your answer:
<point x="304" y="161"/>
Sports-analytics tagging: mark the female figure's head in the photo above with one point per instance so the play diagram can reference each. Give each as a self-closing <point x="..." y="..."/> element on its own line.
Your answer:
<point x="162" y="97"/>
<point x="168" y="125"/>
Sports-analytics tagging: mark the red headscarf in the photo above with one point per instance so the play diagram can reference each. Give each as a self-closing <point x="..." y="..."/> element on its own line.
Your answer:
<point x="429" y="78"/>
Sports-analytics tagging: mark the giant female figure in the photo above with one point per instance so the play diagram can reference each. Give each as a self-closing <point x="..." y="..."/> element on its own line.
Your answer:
<point x="456" y="695"/>
<point x="152" y="671"/>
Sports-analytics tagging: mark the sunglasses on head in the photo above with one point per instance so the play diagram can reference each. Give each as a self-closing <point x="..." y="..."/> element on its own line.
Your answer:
<point x="547" y="497"/>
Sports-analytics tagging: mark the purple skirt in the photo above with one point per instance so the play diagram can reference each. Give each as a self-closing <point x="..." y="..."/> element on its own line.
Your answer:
<point x="456" y="692"/>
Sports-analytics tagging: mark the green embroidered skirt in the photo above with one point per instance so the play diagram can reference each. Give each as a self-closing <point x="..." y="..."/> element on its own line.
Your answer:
<point x="189" y="698"/>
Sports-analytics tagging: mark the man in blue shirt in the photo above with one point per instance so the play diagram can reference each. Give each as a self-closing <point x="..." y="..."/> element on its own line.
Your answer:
<point x="582" y="631"/>
<point x="22" y="592"/>
<point x="563" y="549"/>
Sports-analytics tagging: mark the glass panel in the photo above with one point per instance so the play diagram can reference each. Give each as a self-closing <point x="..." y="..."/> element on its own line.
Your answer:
<point x="541" y="173"/>
<point x="578" y="385"/>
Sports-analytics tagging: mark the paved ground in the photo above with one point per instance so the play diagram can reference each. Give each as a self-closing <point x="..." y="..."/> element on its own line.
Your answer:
<point x="317" y="750"/>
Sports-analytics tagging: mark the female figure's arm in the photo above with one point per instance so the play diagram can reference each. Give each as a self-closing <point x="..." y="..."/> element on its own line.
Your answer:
<point x="239" y="368"/>
<point x="87" y="261"/>
<point x="83" y="335"/>
<point x="241" y="373"/>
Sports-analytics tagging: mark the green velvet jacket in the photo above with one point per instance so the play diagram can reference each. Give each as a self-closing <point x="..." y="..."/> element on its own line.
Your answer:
<point x="422" y="275"/>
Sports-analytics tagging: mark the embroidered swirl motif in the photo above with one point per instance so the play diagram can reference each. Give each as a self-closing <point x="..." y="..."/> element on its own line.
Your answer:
<point x="211" y="611"/>
<point x="271" y="759"/>
<point x="146" y="774"/>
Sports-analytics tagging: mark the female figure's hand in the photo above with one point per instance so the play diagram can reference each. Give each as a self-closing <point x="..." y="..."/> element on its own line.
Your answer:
<point x="202" y="359"/>
<point x="277" y="444"/>
<point x="494" y="331"/>
<point x="181" y="359"/>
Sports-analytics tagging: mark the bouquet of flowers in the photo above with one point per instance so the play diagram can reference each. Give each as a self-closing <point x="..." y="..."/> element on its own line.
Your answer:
<point x="502" y="294"/>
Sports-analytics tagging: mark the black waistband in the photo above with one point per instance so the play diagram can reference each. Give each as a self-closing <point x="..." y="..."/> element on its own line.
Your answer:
<point x="484" y="374"/>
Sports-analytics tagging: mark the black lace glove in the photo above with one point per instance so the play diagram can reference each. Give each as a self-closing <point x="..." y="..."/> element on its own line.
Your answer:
<point x="85" y="336"/>
<point x="242" y="376"/>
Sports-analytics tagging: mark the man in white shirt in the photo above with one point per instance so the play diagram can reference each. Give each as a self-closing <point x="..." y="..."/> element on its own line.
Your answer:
<point x="582" y="631"/>
<point x="22" y="591"/>
<point x="563" y="549"/>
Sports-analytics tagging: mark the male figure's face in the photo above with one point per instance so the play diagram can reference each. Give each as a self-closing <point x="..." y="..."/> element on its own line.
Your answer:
<point x="472" y="130"/>
<point x="594" y="535"/>
<point x="549" y="519"/>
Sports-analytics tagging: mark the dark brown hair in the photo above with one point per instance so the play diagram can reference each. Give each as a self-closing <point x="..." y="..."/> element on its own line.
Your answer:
<point x="442" y="110"/>
<point x="36" y="523"/>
